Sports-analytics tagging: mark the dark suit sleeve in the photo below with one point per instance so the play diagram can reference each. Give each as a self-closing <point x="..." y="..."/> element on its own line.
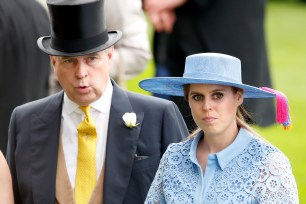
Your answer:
<point x="174" y="127"/>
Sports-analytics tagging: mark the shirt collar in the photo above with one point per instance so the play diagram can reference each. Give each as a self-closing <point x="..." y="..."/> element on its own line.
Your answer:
<point x="242" y="140"/>
<point x="226" y="155"/>
<point x="69" y="106"/>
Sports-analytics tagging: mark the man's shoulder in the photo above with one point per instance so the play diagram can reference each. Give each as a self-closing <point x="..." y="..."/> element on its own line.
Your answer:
<point x="42" y="103"/>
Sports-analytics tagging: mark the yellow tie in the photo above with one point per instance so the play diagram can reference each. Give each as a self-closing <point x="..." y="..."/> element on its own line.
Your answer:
<point x="86" y="164"/>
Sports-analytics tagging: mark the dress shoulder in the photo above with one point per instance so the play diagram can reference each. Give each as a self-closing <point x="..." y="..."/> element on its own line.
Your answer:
<point x="266" y="173"/>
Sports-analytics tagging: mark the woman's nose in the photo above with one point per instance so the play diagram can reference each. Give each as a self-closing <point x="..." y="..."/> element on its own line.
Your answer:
<point x="207" y="105"/>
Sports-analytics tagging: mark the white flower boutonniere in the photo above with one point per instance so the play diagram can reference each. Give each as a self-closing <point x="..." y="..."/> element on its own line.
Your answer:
<point x="130" y="120"/>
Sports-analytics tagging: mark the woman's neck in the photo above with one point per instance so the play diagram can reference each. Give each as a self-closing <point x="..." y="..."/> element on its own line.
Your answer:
<point x="214" y="143"/>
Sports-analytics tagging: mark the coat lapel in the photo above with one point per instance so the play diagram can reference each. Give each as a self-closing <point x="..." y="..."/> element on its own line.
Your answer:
<point x="120" y="149"/>
<point x="45" y="130"/>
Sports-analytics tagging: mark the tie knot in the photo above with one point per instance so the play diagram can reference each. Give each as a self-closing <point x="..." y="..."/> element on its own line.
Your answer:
<point x="86" y="110"/>
<point x="87" y="127"/>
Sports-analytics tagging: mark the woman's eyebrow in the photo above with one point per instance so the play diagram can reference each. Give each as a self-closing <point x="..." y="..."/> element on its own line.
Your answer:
<point x="212" y="91"/>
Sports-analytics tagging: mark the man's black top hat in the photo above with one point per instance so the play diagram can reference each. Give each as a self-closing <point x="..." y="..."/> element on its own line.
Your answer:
<point x="77" y="28"/>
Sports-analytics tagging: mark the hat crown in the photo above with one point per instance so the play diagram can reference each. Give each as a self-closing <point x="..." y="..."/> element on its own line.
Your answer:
<point x="76" y="19"/>
<point x="213" y="66"/>
<point x="77" y="25"/>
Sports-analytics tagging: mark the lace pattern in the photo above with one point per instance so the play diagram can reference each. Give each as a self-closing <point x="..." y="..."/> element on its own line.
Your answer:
<point x="259" y="174"/>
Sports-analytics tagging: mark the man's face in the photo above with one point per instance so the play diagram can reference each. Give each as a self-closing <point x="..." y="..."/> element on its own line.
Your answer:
<point x="83" y="78"/>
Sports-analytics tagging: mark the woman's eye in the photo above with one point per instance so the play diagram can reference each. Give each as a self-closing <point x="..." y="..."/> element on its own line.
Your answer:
<point x="217" y="96"/>
<point x="197" y="97"/>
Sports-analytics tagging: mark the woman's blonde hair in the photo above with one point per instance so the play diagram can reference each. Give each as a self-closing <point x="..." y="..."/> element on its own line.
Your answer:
<point x="243" y="117"/>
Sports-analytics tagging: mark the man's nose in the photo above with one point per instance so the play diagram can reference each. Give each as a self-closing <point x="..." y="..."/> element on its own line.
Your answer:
<point x="82" y="70"/>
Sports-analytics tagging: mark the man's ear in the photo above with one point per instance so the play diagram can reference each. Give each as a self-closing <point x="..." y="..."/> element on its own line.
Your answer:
<point x="52" y="60"/>
<point x="110" y="52"/>
<point x="110" y="55"/>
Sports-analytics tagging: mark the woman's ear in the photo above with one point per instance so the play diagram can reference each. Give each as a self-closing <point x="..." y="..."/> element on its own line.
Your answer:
<point x="239" y="95"/>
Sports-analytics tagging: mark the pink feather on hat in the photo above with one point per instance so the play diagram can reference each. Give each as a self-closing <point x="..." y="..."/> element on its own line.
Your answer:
<point x="282" y="108"/>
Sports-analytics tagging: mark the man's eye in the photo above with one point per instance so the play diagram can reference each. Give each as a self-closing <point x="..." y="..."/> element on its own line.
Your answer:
<point x="68" y="60"/>
<point x="92" y="58"/>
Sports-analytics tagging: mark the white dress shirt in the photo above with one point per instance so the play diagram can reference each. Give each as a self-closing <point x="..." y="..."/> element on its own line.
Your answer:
<point x="71" y="117"/>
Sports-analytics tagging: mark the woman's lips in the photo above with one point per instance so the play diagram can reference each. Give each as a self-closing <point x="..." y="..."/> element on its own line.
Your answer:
<point x="209" y="119"/>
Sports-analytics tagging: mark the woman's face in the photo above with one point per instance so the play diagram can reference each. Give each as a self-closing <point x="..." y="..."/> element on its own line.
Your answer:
<point x="214" y="107"/>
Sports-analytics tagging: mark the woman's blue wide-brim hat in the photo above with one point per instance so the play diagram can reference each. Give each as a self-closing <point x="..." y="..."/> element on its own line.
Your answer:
<point x="205" y="68"/>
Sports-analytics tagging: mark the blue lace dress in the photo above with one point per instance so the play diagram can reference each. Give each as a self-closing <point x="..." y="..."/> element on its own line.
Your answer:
<point x="249" y="170"/>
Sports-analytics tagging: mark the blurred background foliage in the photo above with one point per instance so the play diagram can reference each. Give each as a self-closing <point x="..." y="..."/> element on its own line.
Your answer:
<point x="286" y="40"/>
<point x="289" y="1"/>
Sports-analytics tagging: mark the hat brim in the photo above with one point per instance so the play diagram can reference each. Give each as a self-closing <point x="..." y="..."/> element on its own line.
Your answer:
<point x="44" y="43"/>
<point x="174" y="86"/>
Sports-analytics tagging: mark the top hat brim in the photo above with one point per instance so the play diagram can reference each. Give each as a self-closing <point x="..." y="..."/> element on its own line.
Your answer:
<point x="174" y="86"/>
<point x="44" y="43"/>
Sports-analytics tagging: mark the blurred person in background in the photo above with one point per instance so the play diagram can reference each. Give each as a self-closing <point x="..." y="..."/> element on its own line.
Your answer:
<point x="132" y="52"/>
<point x="185" y="27"/>
<point x="24" y="69"/>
